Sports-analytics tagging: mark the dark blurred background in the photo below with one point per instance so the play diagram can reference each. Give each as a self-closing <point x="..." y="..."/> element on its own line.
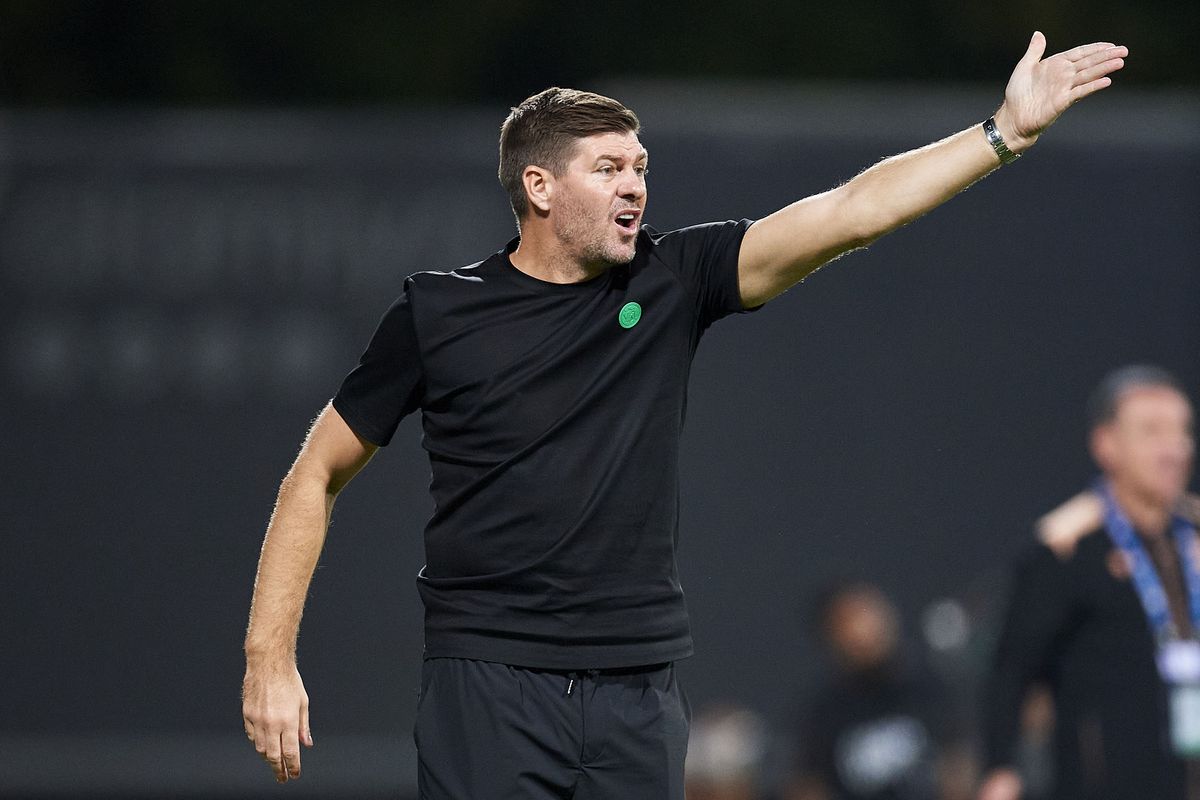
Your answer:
<point x="498" y="51"/>
<point x="204" y="209"/>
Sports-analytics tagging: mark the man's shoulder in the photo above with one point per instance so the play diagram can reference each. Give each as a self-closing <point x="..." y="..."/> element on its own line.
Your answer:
<point x="690" y="250"/>
<point x="458" y="277"/>
<point x="697" y="231"/>
<point x="433" y="290"/>
<point x="1070" y="524"/>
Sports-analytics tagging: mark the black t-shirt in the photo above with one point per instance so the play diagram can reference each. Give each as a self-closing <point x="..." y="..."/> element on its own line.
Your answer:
<point x="878" y="735"/>
<point x="551" y="415"/>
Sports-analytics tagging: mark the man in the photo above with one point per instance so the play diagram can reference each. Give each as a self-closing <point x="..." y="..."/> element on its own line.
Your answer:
<point x="882" y="726"/>
<point x="1105" y="609"/>
<point x="551" y="378"/>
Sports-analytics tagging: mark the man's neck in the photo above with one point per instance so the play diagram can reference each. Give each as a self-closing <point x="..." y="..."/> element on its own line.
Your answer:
<point x="544" y="258"/>
<point x="1148" y="515"/>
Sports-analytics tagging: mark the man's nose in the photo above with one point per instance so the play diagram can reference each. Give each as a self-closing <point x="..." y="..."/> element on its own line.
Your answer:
<point x="632" y="186"/>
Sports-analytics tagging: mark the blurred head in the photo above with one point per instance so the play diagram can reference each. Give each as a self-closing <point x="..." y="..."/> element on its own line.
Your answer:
<point x="860" y="625"/>
<point x="573" y="160"/>
<point x="726" y="750"/>
<point x="1141" y="433"/>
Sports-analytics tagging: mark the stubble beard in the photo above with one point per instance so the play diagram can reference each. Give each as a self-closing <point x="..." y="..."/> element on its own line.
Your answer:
<point x="588" y="239"/>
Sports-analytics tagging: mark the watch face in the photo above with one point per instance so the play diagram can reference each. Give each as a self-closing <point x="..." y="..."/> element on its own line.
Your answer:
<point x="997" y="142"/>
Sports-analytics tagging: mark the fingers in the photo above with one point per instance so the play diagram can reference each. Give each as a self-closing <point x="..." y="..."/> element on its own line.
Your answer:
<point x="280" y="750"/>
<point x="1080" y="92"/>
<point x="1098" y="71"/>
<point x="290" y="752"/>
<point x="1091" y="71"/>
<point x="290" y="742"/>
<point x="275" y="718"/>
<point x="1085" y="50"/>
<point x="1100" y="56"/>
<point x="282" y="754"/>
<point x="271" y="749"/>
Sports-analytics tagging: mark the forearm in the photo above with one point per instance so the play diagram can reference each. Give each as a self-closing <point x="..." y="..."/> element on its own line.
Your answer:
<point x="782" y="248"/>
<point x="290" y="551"/>
<point x="331" y="456"/>
<point x="902" y="188"/>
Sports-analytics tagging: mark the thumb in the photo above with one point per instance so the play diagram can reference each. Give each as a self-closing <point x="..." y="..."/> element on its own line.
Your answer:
<point x="1037" y="49"/>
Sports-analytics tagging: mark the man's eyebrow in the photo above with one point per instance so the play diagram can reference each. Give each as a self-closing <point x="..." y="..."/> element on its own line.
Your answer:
<point x="642" y="156"/>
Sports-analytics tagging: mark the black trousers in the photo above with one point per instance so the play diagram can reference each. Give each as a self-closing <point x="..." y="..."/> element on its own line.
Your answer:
<point x="488" y="731"/>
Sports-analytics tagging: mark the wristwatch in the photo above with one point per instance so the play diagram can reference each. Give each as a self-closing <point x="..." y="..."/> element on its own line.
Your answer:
<point x="997" y="142"/>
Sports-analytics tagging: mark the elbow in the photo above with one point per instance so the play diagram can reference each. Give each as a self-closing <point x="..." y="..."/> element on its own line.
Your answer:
<point x="304" y="481"/>
<point x="334" y="486"/>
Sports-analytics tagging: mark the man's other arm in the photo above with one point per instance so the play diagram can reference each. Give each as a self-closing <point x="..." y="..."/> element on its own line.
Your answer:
<point x="782" y="248"/>
<point x="1043" y="599"/>
<point x="274" y="703"/>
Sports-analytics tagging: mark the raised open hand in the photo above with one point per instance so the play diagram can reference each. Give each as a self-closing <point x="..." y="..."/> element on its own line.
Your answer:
<point x="1042" y="89"/>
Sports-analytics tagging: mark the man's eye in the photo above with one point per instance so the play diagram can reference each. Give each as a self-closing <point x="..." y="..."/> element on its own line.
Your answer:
<point x="606" y="170"/>
<point x="643" y="171"/>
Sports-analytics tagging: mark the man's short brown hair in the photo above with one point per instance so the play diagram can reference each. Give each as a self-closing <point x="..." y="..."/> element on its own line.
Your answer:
<point x="543" y="130"/>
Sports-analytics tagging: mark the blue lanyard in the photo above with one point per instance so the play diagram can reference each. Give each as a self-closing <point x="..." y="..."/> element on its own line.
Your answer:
<point x="1145" y="578"/>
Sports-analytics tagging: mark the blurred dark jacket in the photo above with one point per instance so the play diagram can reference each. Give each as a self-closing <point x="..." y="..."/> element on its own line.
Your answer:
<point x="1075" y="621"/>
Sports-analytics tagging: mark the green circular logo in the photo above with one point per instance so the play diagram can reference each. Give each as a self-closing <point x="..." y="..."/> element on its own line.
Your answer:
<point x="630" y="314"/>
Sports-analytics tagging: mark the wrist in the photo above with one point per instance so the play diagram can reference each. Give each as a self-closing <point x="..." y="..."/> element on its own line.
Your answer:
<point x="1016" y="141"/>
<point x="268" y="654"/>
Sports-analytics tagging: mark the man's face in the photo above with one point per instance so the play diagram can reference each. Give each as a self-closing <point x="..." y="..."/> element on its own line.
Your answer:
<point x="862" y="629"/>
<point x="599" y="200"/>
<point x="1147" y="448"/>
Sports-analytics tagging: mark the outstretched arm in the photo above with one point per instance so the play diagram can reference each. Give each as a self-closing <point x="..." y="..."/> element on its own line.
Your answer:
<point x="274" y="703"/>
<point x="781" y="249"/>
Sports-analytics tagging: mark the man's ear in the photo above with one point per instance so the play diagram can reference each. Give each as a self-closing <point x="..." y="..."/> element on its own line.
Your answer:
<point x="539" y="187"/>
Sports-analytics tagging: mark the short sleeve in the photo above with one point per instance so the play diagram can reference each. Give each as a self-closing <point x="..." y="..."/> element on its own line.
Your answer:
<point x="706" y="259"/>
<point x="387" y="384"/>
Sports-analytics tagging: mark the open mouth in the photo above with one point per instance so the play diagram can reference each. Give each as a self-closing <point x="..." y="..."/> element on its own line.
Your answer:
<point x="627" y="220"/>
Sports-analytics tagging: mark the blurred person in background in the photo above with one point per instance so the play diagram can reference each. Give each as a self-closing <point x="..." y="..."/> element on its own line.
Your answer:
<point x="882" y="727"/>
<point x="552" y="382"/>
<point x="726" y="751"/>
<point x="1105" y="610"/>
